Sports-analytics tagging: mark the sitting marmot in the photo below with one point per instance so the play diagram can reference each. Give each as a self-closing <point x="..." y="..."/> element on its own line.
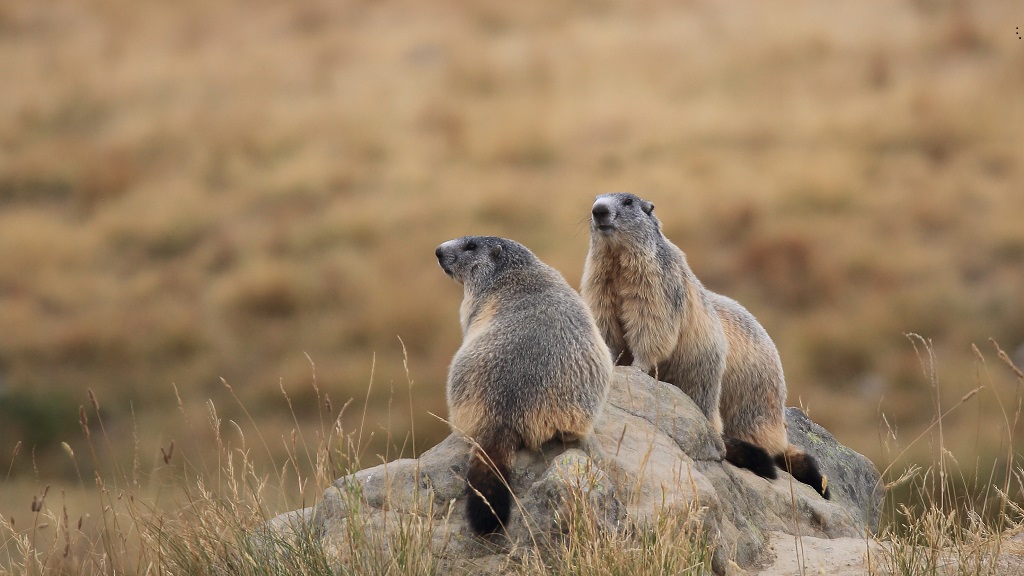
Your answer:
<point x="532" y="364"/>
<point x="654" y="313"/>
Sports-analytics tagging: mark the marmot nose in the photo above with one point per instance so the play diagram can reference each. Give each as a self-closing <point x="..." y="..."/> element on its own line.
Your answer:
<point x="439" y="253"/>
<point x="600" y="210"/>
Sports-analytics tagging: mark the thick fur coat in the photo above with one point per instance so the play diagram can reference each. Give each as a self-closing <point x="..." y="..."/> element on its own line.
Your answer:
<point x="656" y="315"/>
<point x="532" y="365"/>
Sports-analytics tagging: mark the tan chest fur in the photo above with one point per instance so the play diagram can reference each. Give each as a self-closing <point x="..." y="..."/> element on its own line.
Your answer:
<point x="476" y="317"/>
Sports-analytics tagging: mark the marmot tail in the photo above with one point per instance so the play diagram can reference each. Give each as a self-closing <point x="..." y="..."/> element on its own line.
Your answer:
<point x="750" y="456"/>
<point x="489" y="499"/>
<point x="803" y="467"/>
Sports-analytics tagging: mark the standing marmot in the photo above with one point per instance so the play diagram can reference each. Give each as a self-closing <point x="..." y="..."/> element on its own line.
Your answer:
<point x="655" y="314"/>
<point x="532" y="364"/>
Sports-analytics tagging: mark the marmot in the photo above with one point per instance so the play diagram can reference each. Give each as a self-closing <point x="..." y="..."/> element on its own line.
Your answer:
<point x="532" y="365"/>
<point x="655" y="314"/>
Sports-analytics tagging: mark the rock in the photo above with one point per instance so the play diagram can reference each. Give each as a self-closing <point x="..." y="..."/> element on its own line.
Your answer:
<point x="796" y="556"/>
<point x="652" y="453"/>
<point x="853" y="479"/>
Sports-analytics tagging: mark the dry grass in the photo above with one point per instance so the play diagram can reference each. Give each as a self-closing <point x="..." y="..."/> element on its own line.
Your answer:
<point x="678" y="542"/>
<point x="198" y="516"/>
<point x="203" y="510"/>
<point x="198" y="190"/>
<point x="950" y="518"/>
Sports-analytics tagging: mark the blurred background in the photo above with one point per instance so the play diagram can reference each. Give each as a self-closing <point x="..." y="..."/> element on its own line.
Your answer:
<point x="198" y="192"/>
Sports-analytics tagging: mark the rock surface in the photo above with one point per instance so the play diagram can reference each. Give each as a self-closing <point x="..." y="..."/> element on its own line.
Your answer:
<point x="652" y="450"/>
<point x="792" y="556"/>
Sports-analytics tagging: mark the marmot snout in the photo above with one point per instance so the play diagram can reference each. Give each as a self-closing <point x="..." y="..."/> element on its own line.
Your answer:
<point x="460" y="257"/>
<point x="609" y="215"/>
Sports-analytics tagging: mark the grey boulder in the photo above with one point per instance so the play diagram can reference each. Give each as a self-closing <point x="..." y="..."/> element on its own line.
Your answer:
<point x="651" y="451"/>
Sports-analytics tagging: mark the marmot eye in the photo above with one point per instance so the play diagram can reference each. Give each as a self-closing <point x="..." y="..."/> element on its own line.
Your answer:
<point x="470" y="246"/>
<point x="627" y="202"/>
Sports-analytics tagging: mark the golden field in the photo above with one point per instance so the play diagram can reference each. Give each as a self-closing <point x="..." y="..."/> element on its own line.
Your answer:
<point x="194" y="193"/>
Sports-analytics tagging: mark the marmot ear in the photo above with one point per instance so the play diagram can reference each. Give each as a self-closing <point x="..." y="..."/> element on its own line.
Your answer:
<point x="495" y="250"/>
<point x="648" y="207"/>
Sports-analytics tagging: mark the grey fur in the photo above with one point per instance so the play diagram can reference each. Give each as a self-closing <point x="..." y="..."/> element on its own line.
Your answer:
<point x="532" y="365"/>
<point x="651" y="308"/>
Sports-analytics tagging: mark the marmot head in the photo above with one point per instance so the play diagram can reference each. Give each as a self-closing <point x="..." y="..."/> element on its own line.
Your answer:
<point x="476" y="260"/>
<point x="622" y="215"/>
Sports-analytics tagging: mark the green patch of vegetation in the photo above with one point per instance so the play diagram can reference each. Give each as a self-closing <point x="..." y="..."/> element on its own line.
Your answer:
<point x="39" y="421"/>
